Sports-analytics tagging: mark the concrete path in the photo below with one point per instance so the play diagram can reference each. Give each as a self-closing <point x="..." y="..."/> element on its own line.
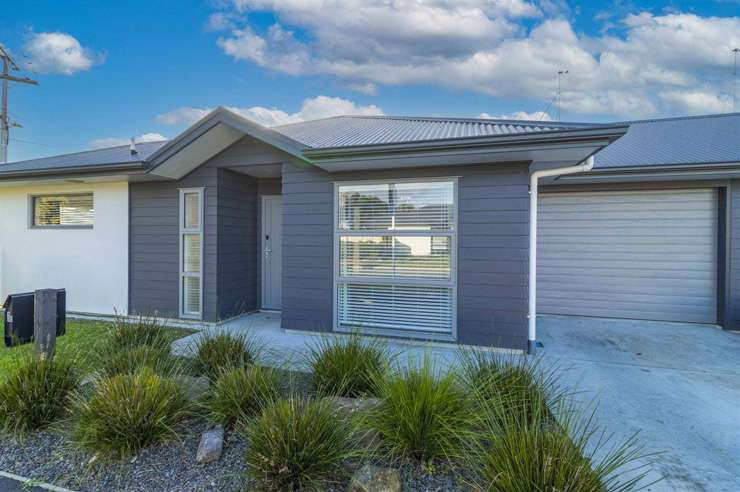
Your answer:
<point x="677" y="384"/>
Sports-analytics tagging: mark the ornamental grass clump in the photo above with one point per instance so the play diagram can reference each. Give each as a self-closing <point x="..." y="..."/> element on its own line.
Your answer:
<point x="36" y="394"/>
<point x="517" y="383"/>
<point x="129" y="360"/>
<point x="347" y="366"/>
<point x="242" y="392"/>
<point x="221" y="351"/>
<point x="145" y="330"/>
<point x="514" y="452"/>
<point x="424" y="414"/>
<point x="128" y="412"/>
<point x="298" y="443"/>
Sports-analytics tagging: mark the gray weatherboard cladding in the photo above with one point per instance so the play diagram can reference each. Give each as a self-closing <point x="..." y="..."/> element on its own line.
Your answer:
<point x="492" y="249"/>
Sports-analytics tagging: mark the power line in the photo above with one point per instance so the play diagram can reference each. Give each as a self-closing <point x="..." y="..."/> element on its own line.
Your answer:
<point x="5" y="123"/>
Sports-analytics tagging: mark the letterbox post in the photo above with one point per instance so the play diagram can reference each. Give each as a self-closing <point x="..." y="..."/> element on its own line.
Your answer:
<point x="45" y="323"/>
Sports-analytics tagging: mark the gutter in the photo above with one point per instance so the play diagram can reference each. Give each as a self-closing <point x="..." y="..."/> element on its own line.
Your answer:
<point x="585" y="166"/>
<point x="23" y="173"/>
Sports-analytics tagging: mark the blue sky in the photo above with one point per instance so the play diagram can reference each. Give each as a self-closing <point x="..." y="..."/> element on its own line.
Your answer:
<point x="110" y="70"/>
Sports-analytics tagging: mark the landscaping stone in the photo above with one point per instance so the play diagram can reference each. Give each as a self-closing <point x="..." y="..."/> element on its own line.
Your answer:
<point x="353" y="405"/>
<point x="211" y="445"/>
<point x="371" y="478"/>
<point x="195" y="387"/>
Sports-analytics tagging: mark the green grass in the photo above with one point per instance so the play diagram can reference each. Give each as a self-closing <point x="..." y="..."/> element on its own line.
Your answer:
<point x="82" y="341"/>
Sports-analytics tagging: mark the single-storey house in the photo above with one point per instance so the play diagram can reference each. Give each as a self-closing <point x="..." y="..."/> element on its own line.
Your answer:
<point x="398" y="226"/>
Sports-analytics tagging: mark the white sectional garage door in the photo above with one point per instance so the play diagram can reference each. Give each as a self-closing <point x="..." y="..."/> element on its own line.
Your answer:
<point x="641" y="255"/>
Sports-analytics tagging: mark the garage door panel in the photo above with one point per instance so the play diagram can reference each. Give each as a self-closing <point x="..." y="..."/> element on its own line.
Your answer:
<point x="664" y="287"/>
<point x="642" y="255"/>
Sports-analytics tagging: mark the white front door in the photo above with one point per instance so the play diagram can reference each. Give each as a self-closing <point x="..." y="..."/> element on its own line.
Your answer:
<point x="272" y="257"/>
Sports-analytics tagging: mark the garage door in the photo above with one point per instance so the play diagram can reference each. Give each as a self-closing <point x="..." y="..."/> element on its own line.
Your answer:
<point x="641" y="255"/>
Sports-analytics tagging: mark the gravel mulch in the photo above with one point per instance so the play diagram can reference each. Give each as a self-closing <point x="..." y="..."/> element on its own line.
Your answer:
<point x="47" y="456"/>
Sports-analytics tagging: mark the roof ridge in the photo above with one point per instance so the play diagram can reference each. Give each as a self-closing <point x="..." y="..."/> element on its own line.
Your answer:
<point x="491" y="121"/>
<point x="678" y="118"/>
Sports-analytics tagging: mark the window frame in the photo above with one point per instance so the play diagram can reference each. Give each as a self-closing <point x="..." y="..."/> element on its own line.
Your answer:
<point x="32" y="210"/>
<point x="182" y="274"/>
<point x="451" y="283"/>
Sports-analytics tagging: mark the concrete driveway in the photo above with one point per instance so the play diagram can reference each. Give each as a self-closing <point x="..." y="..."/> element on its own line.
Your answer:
<point x="678" y="384"/>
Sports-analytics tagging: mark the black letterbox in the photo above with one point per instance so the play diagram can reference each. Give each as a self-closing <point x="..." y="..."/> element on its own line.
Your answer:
<point x="19" y="317"/>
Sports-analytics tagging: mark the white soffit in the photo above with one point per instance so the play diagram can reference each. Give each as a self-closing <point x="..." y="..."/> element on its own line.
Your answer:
<point x="571" y="153"/>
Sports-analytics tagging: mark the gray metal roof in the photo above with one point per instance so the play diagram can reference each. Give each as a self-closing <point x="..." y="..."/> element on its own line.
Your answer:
<point x="89" y="158"/>
<point x="672" y="141"/>
<point x="675" y="141"/>
<point x="350" y="131"/>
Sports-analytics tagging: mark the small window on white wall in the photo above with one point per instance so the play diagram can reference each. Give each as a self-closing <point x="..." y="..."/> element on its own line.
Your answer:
<point x="63" y="211"/>
<point x="191" y="253"/>
<point x="395" y="253"/>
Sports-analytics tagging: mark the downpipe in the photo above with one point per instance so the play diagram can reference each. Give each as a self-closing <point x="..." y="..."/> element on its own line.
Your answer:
<point x="585" y="166"/>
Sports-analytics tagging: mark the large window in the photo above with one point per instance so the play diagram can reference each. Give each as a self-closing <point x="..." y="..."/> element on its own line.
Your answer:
<point x="395" y="244"/>
<point x="191" y="253"/>
<point x="62" y="211"/>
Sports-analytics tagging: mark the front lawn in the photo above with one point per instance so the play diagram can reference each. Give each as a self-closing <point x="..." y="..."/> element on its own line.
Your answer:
<point x="82" y="340"/>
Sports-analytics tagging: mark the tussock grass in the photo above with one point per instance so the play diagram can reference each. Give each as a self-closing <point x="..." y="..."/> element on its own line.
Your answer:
<point x="145" y="330"/>
<point x="36" y="394"/>
<point x="242" y="392"/>
<point x="424" y="414"/>
<point x="220" y="351"/>
<point x="127" y="412"/>
<point x="522" y="384"/>
<point x="347" y="365"/>
<point x="129" y="360"/>
<point x="519" y="452"/>
<point x="298" y="443"/>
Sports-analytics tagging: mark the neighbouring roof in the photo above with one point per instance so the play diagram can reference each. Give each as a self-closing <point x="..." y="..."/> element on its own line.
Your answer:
<point x="671" y="141"/>
<point x="351" y="131"/>
<point x="710" y="139"/>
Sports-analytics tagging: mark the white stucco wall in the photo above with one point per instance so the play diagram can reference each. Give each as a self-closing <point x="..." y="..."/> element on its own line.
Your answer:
<point x="92" y="264"/>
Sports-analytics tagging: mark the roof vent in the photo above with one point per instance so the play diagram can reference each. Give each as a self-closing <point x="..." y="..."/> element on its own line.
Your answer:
<point x="132" y="147"/>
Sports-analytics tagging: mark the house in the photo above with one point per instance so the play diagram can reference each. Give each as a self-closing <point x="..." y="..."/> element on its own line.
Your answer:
<point x="399" y="226"/>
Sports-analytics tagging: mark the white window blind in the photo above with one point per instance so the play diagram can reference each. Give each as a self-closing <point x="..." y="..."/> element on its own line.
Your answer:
<point x="191" y="253"/>
<point x="395" y="246"/>
<point x="63" y="210"/>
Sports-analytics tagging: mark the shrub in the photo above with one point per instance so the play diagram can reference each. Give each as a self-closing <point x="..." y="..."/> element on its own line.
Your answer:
<point x="518" y="454"/>
<point x="347" y="366"/>
<point x="518" y="383"/>
<point x="299" y="444"/>
<point x="36" y="394"/>
<point x="129" y="360"/>
<point x="127" y="412"/>
<point x="145" y="330"/>
<point x="424" y="413"/>
<point x="242" y="392"/>
<point x="218" y="352"/>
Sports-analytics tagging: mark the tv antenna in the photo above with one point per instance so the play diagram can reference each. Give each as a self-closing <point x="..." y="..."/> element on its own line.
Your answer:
<point x="559" y="93"/>
<point x="5" y="123"/>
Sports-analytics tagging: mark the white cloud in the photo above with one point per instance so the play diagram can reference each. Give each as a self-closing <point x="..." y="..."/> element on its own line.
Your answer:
<point x="311" y="109"/>
<point x="59" y="52"/>
<point x="519" y="115"/>
<point x="102" y="143"/>
<point x="486" y="46"/>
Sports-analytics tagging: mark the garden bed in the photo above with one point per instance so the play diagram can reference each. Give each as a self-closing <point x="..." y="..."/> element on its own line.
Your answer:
<point x="358" y="417"/>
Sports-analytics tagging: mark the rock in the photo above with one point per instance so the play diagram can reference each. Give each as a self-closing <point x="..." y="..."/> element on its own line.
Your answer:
<point x="194" y="387"/>
<point x="353" y="405"/>
<point x="372" y="478"/>
<point x="87" y="382"/>
<point x="211" y="445"/>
